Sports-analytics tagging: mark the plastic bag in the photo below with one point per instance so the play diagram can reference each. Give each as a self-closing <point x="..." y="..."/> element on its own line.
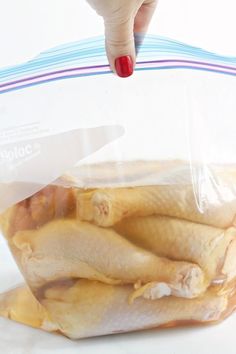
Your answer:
<point x="118" y="196"/>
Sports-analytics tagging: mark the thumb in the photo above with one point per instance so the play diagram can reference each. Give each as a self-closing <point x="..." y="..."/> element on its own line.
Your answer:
<point x="120" y="45"/>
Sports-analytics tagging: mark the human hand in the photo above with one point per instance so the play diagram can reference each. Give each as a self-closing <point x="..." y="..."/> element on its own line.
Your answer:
<point x="123" y="18"/>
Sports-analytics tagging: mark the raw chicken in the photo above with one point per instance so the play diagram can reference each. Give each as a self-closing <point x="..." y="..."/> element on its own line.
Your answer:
<point x="50" y="203"/>
<point x="213" y="249"/>
<point x="106" y="260"/>
<point x="85" y="308"/>
<point x="106" y="207"/>
<point x="74" y="249"/>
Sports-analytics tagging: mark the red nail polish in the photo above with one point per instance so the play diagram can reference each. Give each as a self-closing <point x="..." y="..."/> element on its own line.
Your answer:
<point x="124" y="66"/>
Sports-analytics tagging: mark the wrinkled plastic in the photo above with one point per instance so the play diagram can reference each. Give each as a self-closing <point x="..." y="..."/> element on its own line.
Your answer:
<point x="118" y="196"/>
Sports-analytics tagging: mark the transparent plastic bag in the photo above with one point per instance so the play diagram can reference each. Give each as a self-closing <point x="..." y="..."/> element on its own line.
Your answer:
<point x="118" y="196"/>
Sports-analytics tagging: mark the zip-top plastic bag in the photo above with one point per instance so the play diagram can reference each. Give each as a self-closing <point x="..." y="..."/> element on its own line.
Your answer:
<point x="118" y="196"/>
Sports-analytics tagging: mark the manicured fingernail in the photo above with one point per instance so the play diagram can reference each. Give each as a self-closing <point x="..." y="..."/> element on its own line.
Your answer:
<point x="124" y="66"/>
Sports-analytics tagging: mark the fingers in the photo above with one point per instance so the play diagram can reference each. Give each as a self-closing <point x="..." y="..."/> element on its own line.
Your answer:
<point x="144" y="16"/>
<point x="120" y="41"/>
<point x="122" y="18"/>
<point x="142" y="21"/>
<point x="120" y="45"/>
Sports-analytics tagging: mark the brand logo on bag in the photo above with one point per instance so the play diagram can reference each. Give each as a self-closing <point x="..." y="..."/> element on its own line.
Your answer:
<point x="19" y="154"/>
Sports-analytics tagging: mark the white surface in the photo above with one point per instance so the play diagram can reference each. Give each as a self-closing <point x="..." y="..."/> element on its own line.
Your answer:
<point x="27" y="26"/>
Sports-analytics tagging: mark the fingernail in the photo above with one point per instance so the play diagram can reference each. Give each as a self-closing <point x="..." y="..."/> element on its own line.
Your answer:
<point x="124" y="66"/>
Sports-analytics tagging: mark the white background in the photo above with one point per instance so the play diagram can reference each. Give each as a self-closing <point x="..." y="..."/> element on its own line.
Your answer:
<point x="30" y="26"/>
